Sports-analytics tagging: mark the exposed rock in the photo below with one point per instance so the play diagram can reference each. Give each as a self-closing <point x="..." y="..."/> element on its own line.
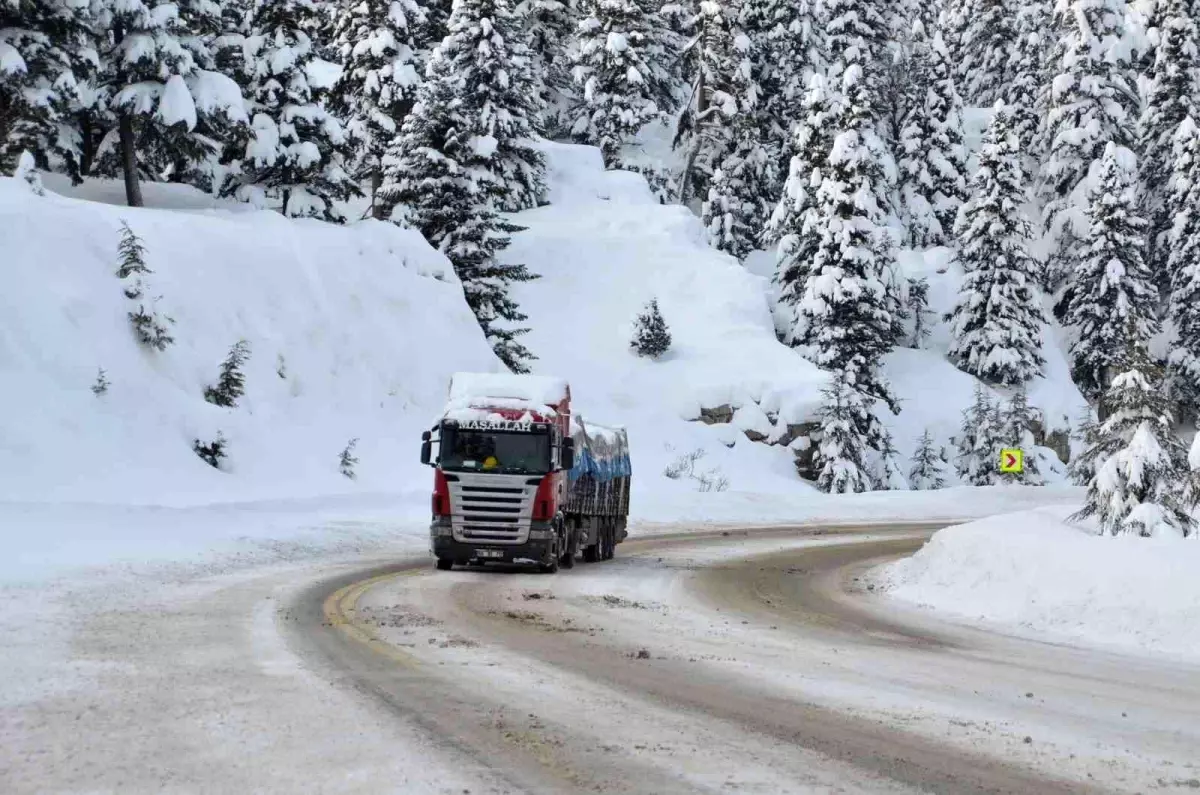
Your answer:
<point x="721" y="415"/>
<point x="1057" y="440"/>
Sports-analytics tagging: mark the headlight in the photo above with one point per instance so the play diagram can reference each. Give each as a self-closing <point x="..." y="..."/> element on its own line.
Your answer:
<point x="541" y="534"/>
<point x="442" y="530"/>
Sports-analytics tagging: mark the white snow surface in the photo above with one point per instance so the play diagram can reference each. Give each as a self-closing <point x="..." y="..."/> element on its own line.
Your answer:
<point x="1034" y="573"/>
<point x="354" y="334"/>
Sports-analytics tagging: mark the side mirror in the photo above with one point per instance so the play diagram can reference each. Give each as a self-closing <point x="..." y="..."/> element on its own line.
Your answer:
<point x="426" y="447"/>
<point x="567" y="456"/>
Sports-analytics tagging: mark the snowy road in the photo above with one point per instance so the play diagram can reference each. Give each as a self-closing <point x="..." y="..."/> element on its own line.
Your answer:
<point x="702" y="662"/>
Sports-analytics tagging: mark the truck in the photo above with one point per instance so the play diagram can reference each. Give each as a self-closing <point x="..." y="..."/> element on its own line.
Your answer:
<point x="519" y="479"/>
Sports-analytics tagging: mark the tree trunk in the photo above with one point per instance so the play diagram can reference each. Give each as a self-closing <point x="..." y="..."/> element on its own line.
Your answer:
<point x="685" y="179"/>
<point x="378" y="211"/>
<point x="133" y="189"/>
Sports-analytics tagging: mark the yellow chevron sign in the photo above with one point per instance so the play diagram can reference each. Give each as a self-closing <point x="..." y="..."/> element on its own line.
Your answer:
<point x="1012" y="461"/>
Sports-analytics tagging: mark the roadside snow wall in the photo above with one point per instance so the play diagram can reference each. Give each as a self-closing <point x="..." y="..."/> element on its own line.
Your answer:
<point x="353" y="332"/>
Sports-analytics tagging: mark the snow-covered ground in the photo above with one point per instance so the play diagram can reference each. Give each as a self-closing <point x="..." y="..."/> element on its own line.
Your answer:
<point x="1034" y="573"/>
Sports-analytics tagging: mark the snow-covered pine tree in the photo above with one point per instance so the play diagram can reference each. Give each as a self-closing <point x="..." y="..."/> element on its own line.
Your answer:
<point x="45" y="54"/>
<point x="792" y="226"/>
<point x="551" y="25"/>
<point x="1016" y="432"/>
<point x="1090" y="103"/>
<point x="150" y="329"/>
<point x="703" y="129"/>
<point x="622" y="66"/>
<point x="1171" y="96"/>
<point x="987" y="40"/>
<point x="231" y="383"/>
<point x="1110" y="289"/>
<point x="439" y="181"/>
<point x="347" y="460"/>
<point x="933" y="160"/>
<point x="840" y="458"/>
<point x="651" y="337"/>
<point x="917" y="303"/>
<point x="745" y="186"/>
<point x="380" y="52"/>
<point x="1140" y="466"/>
<point x="296" y="157"/>
<point x="487" y="55"/>
<point x="1183" y="263"/>
<point x="1022" y="89"/>
<point x="846" y="319"/>
<point x="158" y="76"/>
<point x="996" y="324"/>
<point x="856" y="38"/>
<point x="786" y="37"/>
<point x="978" y="445"/>
<point x="212" y="453"/>
<point x="928" y="470"/>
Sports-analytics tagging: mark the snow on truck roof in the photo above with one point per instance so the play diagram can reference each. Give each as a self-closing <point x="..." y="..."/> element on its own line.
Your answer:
<point x="539" y="390"/>
<point x="473" y="396"/>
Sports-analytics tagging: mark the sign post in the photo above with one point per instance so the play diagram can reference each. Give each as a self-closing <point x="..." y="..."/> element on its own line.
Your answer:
<point x="1012" y="461"/>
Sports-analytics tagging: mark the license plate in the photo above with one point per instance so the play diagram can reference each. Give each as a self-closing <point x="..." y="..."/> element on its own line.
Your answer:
<point x="488" y="553"/>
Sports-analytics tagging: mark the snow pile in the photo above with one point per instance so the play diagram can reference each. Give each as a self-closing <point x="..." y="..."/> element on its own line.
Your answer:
<point x="1032" y="571"/>
<point x="353" y="333"/>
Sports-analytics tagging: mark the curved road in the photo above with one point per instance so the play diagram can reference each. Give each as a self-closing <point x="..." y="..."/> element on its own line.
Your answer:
<point x="741" y="661"/>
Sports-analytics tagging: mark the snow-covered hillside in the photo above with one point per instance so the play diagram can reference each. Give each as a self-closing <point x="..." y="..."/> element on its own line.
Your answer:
<point x="354" y="332"/>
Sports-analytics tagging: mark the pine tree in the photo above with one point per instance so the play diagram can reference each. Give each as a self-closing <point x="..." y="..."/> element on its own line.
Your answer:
<point x="347" y="460"/>
<point x="1090" y="104"/>
<point x="101" y="384"/>
<point x="1171" y="97"/>
<point x="621" y="65"/>
<point x="45" y="55"/>
<point x="151" y="329"/>
<point x="158" y="75"/>
<point x="1027" y="74"/>
<point x="379" y="45"/>
<point x="787" y="44"/>
<point x="840" y="458"/>
<point x="978" y="444"/>
<point x="1140" y="466"/>
<point x="231" y="384"/>
<point x="444" y="186"/>
<point x="1183" y="263"/>
<point x="928" y="471"/>
<point x="856" y="38"/>
<point x="743" y="189"/>
<point x="551" y="25"/>
<point x="703" y="129"/>
<point x="296" y="158"/>
<point x="996" y="324"/>
<point x="1111" y="289"/>
<point x="651" y="338"/>
<point x="212" y="453"/>
<point x="1016" y="432"/>
<point x="933" y="163"/>
<point x="792" y="228"/>
<point x="986" y="41"/>
<point x="918" y="310"/>
<point x="847" y="317"/>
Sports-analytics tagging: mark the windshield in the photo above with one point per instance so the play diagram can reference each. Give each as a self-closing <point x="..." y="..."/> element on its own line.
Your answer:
<point x="495" y="451"/>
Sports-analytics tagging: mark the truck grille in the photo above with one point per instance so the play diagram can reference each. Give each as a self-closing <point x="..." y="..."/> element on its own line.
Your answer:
<point x="491" y="508"/>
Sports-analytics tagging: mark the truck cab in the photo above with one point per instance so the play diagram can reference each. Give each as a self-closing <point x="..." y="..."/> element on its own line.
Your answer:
<point x="500" y="472"/>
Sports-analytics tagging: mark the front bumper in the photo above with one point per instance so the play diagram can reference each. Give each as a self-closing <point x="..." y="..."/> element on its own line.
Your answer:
<point x="444" y="546"/>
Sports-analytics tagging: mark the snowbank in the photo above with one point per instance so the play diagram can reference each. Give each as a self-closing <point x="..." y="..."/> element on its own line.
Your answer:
<point x="1031" y="571"/>
<point x="353" y="333"/>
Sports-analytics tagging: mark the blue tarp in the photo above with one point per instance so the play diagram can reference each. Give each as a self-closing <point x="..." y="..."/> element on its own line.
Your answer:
<point x="603" y="456"/>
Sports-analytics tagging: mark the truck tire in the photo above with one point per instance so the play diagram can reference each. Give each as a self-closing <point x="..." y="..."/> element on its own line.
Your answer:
<point x="591" y="553"/>
<point x="444" y="565"/>
<point x="549" y="568"/>
<point x="568" y="534"/>
<point x="609" y="539"/>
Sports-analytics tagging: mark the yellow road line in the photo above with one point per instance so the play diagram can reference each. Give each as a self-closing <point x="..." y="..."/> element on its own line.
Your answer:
<point x="340" y="610"/>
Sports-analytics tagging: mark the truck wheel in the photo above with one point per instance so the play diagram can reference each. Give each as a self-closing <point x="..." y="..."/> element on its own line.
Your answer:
<point x="444" y="565"/>
<point x="567" y="561"/>
<point x="550" y="568"/>
<point x="591" y="554"/>
<point x="608" y="542"/>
